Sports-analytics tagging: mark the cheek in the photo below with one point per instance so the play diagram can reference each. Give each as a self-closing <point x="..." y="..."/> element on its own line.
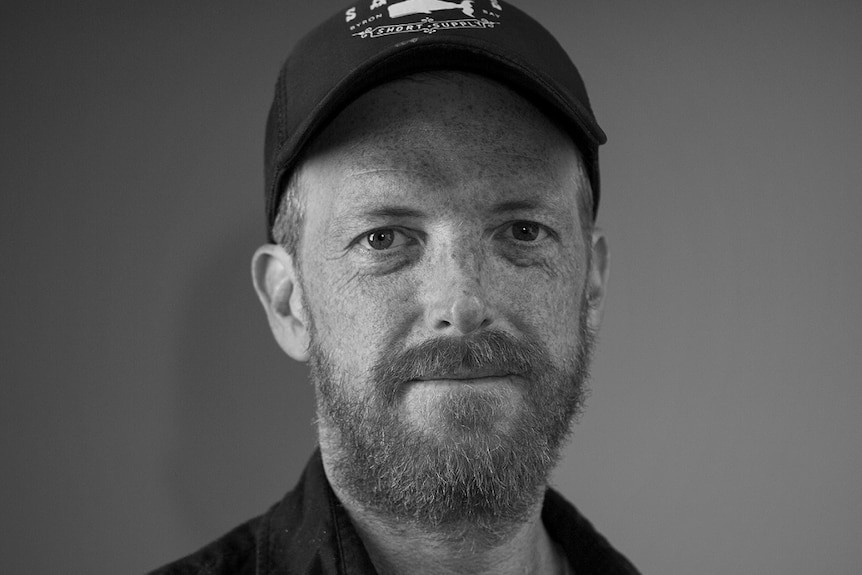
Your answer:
<point x="357" y="317"/>
<point x="546" y="304"/>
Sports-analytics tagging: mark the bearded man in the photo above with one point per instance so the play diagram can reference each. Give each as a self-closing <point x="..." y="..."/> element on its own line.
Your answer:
<point x="432" y="186"/>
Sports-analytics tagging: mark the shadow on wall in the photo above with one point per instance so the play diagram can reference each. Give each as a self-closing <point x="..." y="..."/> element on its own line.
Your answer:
<point x="244" y="410"/>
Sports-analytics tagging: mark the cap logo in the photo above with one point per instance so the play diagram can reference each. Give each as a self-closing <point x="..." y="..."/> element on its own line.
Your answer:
<point x="361" y="27"/>
<point x="410" y="7"/>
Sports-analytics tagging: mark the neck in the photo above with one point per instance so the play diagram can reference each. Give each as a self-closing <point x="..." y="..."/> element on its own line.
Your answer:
<point x="398" y="547"/>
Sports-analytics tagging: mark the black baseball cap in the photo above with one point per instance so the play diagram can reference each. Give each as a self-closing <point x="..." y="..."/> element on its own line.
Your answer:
<point x="376" y="41"/>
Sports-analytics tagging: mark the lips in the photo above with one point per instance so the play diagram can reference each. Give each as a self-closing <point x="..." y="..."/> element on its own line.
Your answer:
<point x="465" y="375"/>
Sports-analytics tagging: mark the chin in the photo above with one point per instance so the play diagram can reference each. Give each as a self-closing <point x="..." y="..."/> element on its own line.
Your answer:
<point x="462" y="412"/>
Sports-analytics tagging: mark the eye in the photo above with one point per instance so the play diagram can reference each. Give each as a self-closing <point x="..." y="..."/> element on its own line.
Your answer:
<point x="383" y="239"/>
<point x="525" y="231"/>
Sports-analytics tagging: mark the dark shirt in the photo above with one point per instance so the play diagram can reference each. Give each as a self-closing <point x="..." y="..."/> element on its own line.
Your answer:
<point x="309" y="533"/>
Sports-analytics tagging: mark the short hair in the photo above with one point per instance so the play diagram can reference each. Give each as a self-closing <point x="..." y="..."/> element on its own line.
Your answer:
<point x="290" y="218"/>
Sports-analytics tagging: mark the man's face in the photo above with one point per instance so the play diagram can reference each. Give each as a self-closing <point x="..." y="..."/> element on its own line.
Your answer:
<point x="444" y="272"/>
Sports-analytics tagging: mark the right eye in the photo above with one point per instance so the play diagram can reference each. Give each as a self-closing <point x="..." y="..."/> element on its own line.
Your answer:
<point x="383" y="239"/>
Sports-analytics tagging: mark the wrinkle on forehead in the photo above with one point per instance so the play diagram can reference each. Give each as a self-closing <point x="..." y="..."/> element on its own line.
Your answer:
<point x="483" y="185"/>
<point x="413" y="163"/>
<point x="543" y="160"/>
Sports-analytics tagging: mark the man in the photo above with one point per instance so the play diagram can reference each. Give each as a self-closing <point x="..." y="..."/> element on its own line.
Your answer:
<point x="432" y="184"/>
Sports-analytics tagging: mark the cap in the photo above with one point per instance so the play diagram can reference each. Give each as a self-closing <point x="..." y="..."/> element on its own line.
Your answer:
<point x="377" y="41"/>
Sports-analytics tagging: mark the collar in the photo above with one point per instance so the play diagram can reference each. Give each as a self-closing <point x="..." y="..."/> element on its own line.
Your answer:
<point x="310" y="533"/>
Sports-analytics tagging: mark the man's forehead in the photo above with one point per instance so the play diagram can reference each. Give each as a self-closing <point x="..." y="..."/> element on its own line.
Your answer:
<point x="532" y="178"/>
<point x="417" y="193"/>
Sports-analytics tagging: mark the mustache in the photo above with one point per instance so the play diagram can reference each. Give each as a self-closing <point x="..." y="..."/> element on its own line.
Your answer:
<point x="494" y="350"/>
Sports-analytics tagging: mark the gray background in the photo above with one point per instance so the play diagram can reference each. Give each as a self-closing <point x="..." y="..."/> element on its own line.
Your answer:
<point x="146" y="410"/>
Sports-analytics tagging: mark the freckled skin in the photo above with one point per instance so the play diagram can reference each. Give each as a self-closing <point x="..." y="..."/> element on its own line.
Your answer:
<point x="448" y="147"/>
<point x="437" y="207"/>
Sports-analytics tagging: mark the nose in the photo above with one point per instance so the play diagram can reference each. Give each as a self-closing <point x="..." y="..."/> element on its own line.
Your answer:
<point x="457" y="300"/>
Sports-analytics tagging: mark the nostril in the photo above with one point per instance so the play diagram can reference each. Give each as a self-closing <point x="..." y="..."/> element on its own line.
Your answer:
<point x="457" y="307"/>
<point x="468" y="314"/>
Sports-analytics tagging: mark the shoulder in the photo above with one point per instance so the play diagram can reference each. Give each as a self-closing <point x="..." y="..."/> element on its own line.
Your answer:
<point x="234" y="553"/>
<point x="586" y="549"/>
<point x="298" y="534"/>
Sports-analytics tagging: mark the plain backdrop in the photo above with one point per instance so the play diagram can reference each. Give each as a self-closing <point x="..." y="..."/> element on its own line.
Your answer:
<point x="145" y="408"/>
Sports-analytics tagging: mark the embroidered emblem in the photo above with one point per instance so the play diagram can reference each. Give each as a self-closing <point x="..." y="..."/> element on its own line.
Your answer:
<point x="411" y="7"/>
<point x="427" y="26"/>
<point x="376" y="23"/>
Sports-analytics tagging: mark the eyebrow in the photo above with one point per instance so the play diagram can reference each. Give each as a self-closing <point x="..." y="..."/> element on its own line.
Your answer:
<point x="516" y="206"/>
<point x="349" y="219"/>
<point x="390" y="212"/>
<point x="385" y="212"/>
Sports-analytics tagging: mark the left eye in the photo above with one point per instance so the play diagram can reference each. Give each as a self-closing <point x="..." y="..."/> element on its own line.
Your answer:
<point x="528" y="231"/>
<point x="383" y="239"/>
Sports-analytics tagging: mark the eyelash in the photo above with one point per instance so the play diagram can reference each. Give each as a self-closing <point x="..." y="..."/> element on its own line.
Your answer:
<point x="408" y="238"/>
<point x="542" y="231"/>
<point x="363" y="240"/>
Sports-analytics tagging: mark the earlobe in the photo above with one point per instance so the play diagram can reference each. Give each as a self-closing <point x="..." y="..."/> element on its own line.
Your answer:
<point x="276" y="282"/>
<point x="597" y="279"/>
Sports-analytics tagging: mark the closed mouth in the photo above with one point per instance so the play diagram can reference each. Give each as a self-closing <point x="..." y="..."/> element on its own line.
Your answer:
<point x="464" y="375"/>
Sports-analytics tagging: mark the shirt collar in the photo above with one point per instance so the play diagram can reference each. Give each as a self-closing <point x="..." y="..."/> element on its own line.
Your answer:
<point x="309" y="532"/>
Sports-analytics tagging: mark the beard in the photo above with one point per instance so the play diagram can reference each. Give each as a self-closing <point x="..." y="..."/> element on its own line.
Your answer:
<point x="469" y="472"/>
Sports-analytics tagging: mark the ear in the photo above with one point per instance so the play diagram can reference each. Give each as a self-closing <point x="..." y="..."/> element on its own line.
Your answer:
<point x="276" y="282"/>
<point x="597" y="280"/>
